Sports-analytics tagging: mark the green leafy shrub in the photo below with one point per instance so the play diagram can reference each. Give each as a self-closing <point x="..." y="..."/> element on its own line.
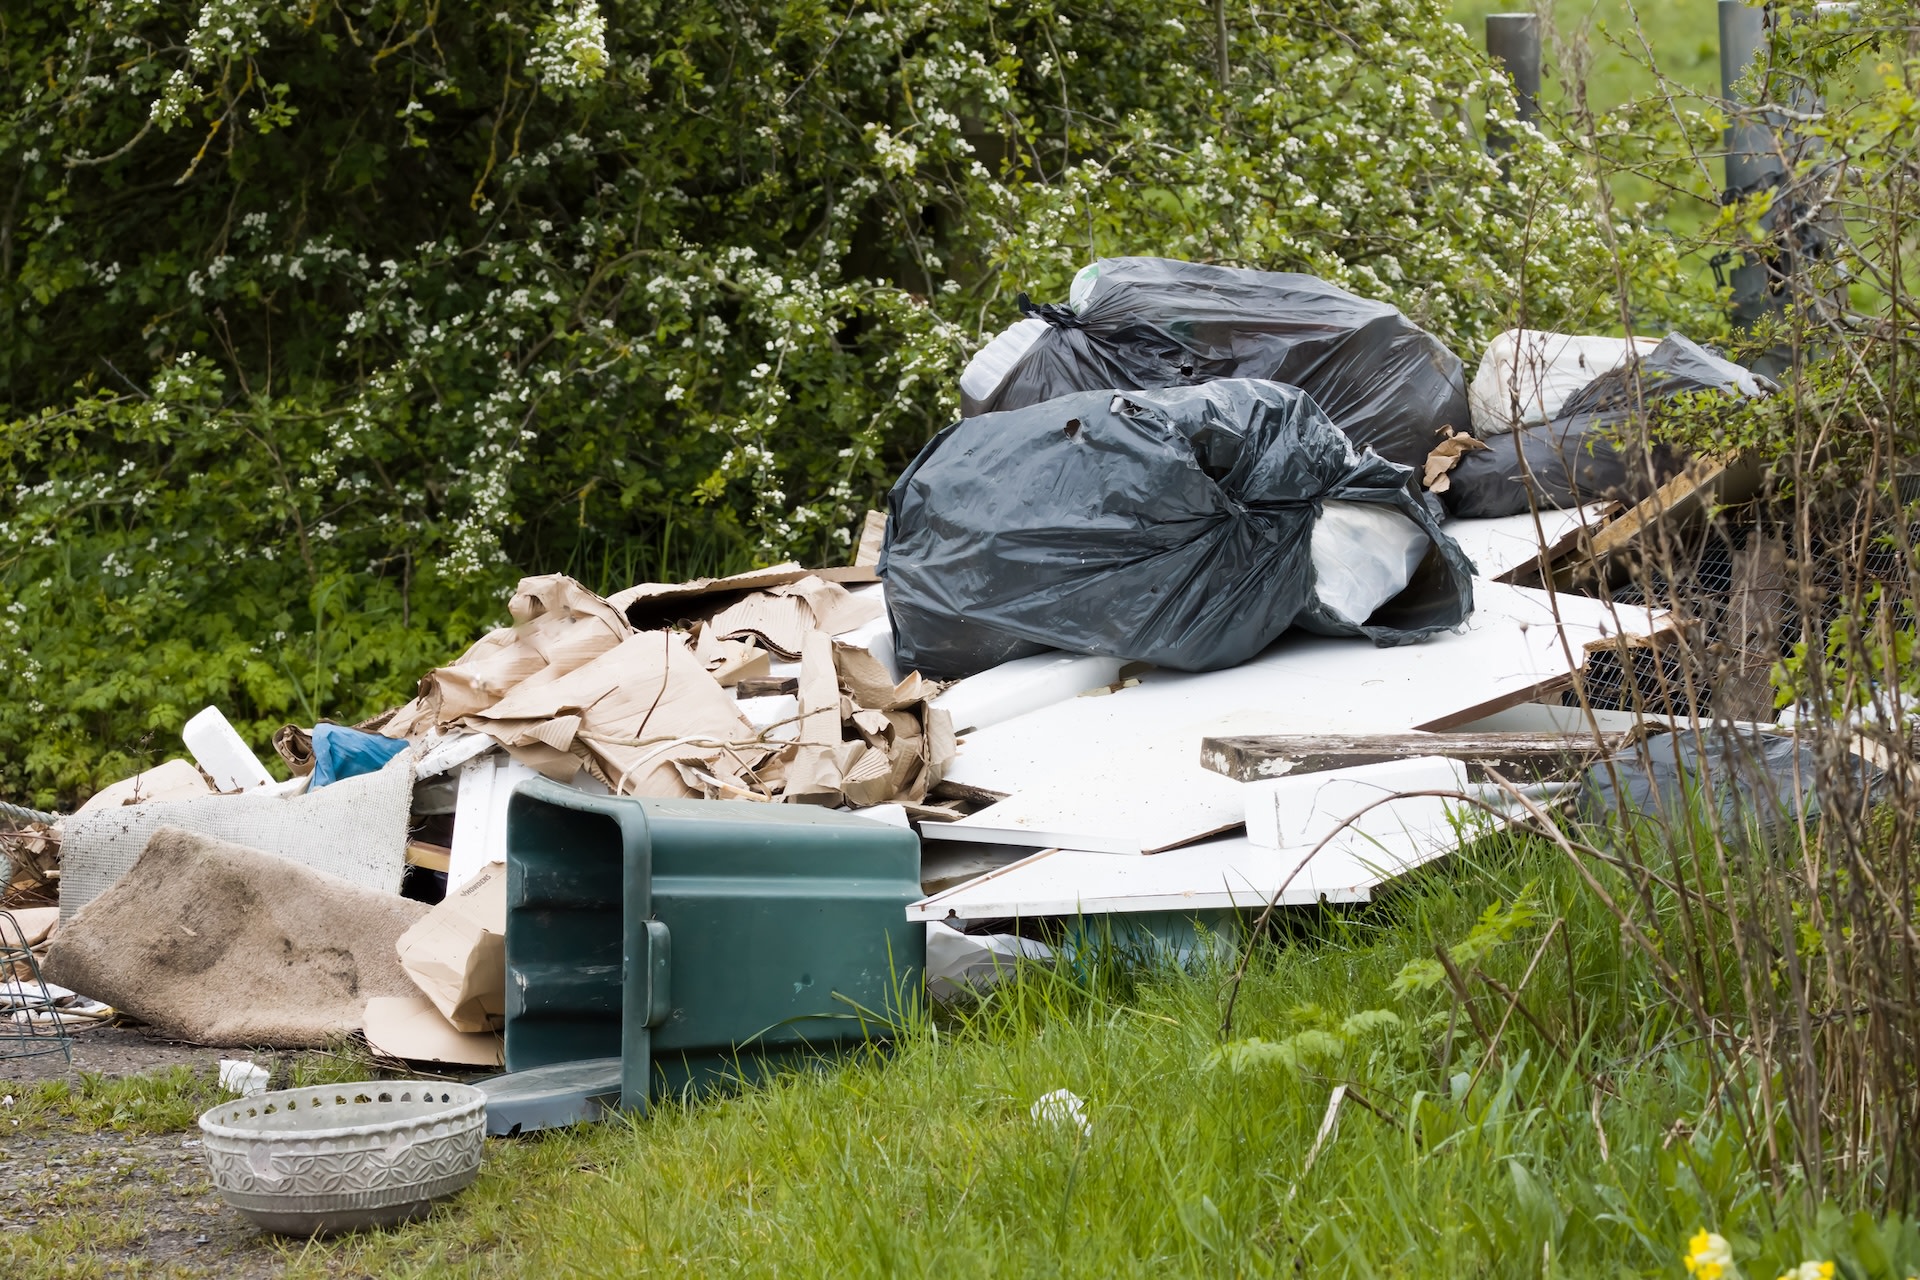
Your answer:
<point x="323" y="323"/>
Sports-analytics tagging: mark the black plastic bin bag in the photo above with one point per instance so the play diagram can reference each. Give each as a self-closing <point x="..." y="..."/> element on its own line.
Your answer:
<point x="1155" y="322"/>
<point x="1596" y="448"/>
<point x="1173" y="527"/>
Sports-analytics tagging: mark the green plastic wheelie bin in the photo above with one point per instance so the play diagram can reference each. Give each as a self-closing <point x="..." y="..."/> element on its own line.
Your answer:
<point x="701" y="940"/>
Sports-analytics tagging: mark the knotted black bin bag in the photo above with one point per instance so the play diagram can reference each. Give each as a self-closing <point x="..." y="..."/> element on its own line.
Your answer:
<point x="1157" y="322"/>
<point x="1172" y="527"/>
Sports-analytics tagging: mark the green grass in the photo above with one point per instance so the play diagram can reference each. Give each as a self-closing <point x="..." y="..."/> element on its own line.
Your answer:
<point x="1684" y="37"/>
<point x="1443" y="1161"/>
<point x="1588" y="1140"/>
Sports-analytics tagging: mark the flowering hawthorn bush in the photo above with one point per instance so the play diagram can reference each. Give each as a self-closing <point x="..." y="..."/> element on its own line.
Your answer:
<point x="323" y="322"/>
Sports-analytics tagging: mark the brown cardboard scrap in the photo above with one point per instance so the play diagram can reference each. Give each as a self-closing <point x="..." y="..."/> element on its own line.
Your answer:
<point x="35" y="922"/>
<point x="294" y="744"/>
<point x="776" y="622"/>
<point x="833" y="607"/>
<point x="456" y="953"/>
<point x="819" y="691"/>
<point x="651" y="593"/>
<point x="817" y="773"/>
<point x="1445" y="456"/>
<point x="559" y="626"/>
<point x="411" y="1029"/>
<point x="868" y="780"/>
<point x="659" y="599"/>
<point x="873" y="535"/>
<point x="173" y="780"/>
<point x="875" y="728"/>
<point x="730" y="661"/>
<point x="940" y="744"/>
<point x="641" y="705"/>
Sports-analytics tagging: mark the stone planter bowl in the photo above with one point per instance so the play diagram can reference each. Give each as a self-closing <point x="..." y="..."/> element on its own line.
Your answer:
<point x="344" y="1157"/>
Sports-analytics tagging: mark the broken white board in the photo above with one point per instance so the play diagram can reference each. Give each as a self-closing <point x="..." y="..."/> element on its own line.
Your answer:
<point x="480" y="815"/>
<point x="1022" y="685"/>
<point x="1229" y="872"/>
<point x="355" y="829"/>
<point x="1122" y="773"/>
<point x="1129" y="808"/>
<point x="1500" y="544"/>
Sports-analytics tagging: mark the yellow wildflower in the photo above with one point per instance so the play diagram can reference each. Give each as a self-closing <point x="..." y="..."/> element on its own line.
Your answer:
<point x="1810" y="1270"/>
<point x="1709" y="1256"/>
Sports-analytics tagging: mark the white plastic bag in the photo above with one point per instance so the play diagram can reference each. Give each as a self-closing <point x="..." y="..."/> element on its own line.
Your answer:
<point x="992" y="363"/>
<point x="1364" y="554"/>
<point x="1539" y="371"/>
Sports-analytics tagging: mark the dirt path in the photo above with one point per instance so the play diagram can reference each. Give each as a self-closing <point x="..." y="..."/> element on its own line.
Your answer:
<point x="79" y="1197"/>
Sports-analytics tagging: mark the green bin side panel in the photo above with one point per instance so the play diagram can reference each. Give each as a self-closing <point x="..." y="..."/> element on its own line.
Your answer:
<point x="785" y="922"/>
<point x="566" y="927"/>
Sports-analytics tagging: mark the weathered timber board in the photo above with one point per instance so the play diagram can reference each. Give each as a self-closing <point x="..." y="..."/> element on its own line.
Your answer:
<point x="1513" y="755"/>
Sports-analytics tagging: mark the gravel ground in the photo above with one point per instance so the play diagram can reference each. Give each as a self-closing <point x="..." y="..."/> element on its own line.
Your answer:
<point x="79" y="1200"/>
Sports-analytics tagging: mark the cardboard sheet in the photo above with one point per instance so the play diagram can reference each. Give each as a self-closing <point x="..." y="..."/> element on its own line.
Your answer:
<point x="457" y="953"/>
<point x="637" y="709"/>
<point x="559" y="626"/>
<point x="411" y="1029"/>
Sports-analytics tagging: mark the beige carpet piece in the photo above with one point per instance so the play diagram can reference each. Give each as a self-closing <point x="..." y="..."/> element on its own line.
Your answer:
<point x="223" y="945"/>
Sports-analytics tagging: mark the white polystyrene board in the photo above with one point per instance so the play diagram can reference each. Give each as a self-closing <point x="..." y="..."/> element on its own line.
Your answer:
<point x="1151" y="798"/>
<point x="1301" y="684"/>
<point x="480" y="815"/>
<point x="1500" y="544"/>
<point x="1022" y="685"/>
<point x="450" y="752"/>
<point x="1305" y="808"/>
<point x="1225" y="872"/>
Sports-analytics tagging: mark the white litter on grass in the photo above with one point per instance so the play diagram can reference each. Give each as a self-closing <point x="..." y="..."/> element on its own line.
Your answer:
<point x="242" y="1077"/>
<point x="1062" y="1107"/>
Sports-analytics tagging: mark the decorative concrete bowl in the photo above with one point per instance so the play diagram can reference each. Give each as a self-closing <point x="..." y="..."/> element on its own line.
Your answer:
<point x="347" y="1156"/>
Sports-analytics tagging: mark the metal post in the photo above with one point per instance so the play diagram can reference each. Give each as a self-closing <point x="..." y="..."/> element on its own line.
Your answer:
<point x="1753" y="159"/>
<point x="1513" y="39"/>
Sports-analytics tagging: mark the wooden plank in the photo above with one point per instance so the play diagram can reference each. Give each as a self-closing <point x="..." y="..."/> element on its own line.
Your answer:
<point x="1706" y="482"/>
<point x="1514" y="755"/>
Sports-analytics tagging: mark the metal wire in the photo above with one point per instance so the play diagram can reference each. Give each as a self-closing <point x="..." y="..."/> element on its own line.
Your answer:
<point x="30" y="1022"/>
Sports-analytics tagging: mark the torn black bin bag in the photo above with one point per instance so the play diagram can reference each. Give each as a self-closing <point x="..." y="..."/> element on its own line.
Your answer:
<point x="1596" y="447"/>
<point x="1172" y="527"/>
<point x="1156" y="322"/>
<point x="1753" y="786"/>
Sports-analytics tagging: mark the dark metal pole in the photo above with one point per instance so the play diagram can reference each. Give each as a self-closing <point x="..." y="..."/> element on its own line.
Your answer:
<point x="1514" y="41"/>
<point x="1753" y="159"/>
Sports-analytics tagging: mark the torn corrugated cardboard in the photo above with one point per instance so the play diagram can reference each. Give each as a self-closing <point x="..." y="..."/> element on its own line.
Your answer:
<point x="456" y="954"/>
<point x="559" y="626"/>
<point x="411" y="1029"/>
<point x="628" y="716"/>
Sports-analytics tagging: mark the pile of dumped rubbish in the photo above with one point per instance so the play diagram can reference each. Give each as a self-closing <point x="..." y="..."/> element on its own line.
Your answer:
<point x="1218" y="567"/>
